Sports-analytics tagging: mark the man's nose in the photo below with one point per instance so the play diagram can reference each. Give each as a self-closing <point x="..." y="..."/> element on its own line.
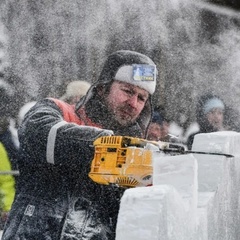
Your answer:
<point x="217" y="116"/>
<point x="133" y="101"/>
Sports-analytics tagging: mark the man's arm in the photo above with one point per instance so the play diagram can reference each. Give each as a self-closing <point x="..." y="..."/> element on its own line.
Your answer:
<point x="47" y="139"/>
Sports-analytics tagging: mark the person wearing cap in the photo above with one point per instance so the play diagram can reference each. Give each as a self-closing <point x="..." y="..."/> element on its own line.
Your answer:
<point x="158" y="129"/>
<point x="155" y="127"/>
<point x="57" y="199"/>
<point x="75" y="90"/>
<point x="209" y="114"/>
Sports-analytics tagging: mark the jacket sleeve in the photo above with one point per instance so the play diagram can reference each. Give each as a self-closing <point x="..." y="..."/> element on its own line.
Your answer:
<point x="45" y="138"/>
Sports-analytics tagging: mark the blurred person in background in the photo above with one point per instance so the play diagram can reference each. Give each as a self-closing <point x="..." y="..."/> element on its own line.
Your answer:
<point x="75" y="90"/>
<point x="210" y="116"/>
<point x="8" y="150"/>
<point x="158" y="129"/>
<point x="7" y="185"/>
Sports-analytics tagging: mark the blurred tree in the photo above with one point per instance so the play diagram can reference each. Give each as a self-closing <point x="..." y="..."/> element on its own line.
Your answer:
<point x="235" y="4"/>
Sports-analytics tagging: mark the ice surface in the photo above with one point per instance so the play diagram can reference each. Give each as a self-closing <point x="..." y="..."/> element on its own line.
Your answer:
<point x="155" y="212"/>
<point x="181" y="173"/>
<point x="194" y="196"/>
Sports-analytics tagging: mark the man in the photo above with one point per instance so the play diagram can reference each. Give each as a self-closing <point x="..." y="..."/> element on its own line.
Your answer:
<point x="209" y="114"/>
<point x="158" y="129"/>
<point x="57" y="199"/>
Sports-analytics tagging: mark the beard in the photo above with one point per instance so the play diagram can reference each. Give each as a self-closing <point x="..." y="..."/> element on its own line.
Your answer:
<point x="124" y="115"/>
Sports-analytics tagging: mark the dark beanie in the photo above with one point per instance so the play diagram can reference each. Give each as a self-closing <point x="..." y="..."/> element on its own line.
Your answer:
<point x="121" y="66"/>
<point x="157" y="118"/>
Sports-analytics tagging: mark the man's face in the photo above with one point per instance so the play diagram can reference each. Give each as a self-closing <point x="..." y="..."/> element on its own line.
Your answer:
<point x="215" y="118"/>
<point x="158" y="132"/>
<point x="126" y="101"/>
<point x="154" y="132"/>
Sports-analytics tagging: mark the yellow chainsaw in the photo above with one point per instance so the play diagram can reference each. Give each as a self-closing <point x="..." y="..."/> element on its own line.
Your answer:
<point x="123" y="161"/>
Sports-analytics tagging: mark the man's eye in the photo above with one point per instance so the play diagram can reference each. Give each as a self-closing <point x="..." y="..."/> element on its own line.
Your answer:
<point x="127" y="91"/>
<point x="142" y="99"/>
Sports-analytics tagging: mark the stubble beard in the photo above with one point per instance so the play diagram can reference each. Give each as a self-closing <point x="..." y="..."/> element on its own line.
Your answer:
<point x="123" y="116"/>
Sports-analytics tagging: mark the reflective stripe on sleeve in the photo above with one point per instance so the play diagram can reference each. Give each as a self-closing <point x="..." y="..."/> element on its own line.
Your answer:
<point x="51" y="141"/>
